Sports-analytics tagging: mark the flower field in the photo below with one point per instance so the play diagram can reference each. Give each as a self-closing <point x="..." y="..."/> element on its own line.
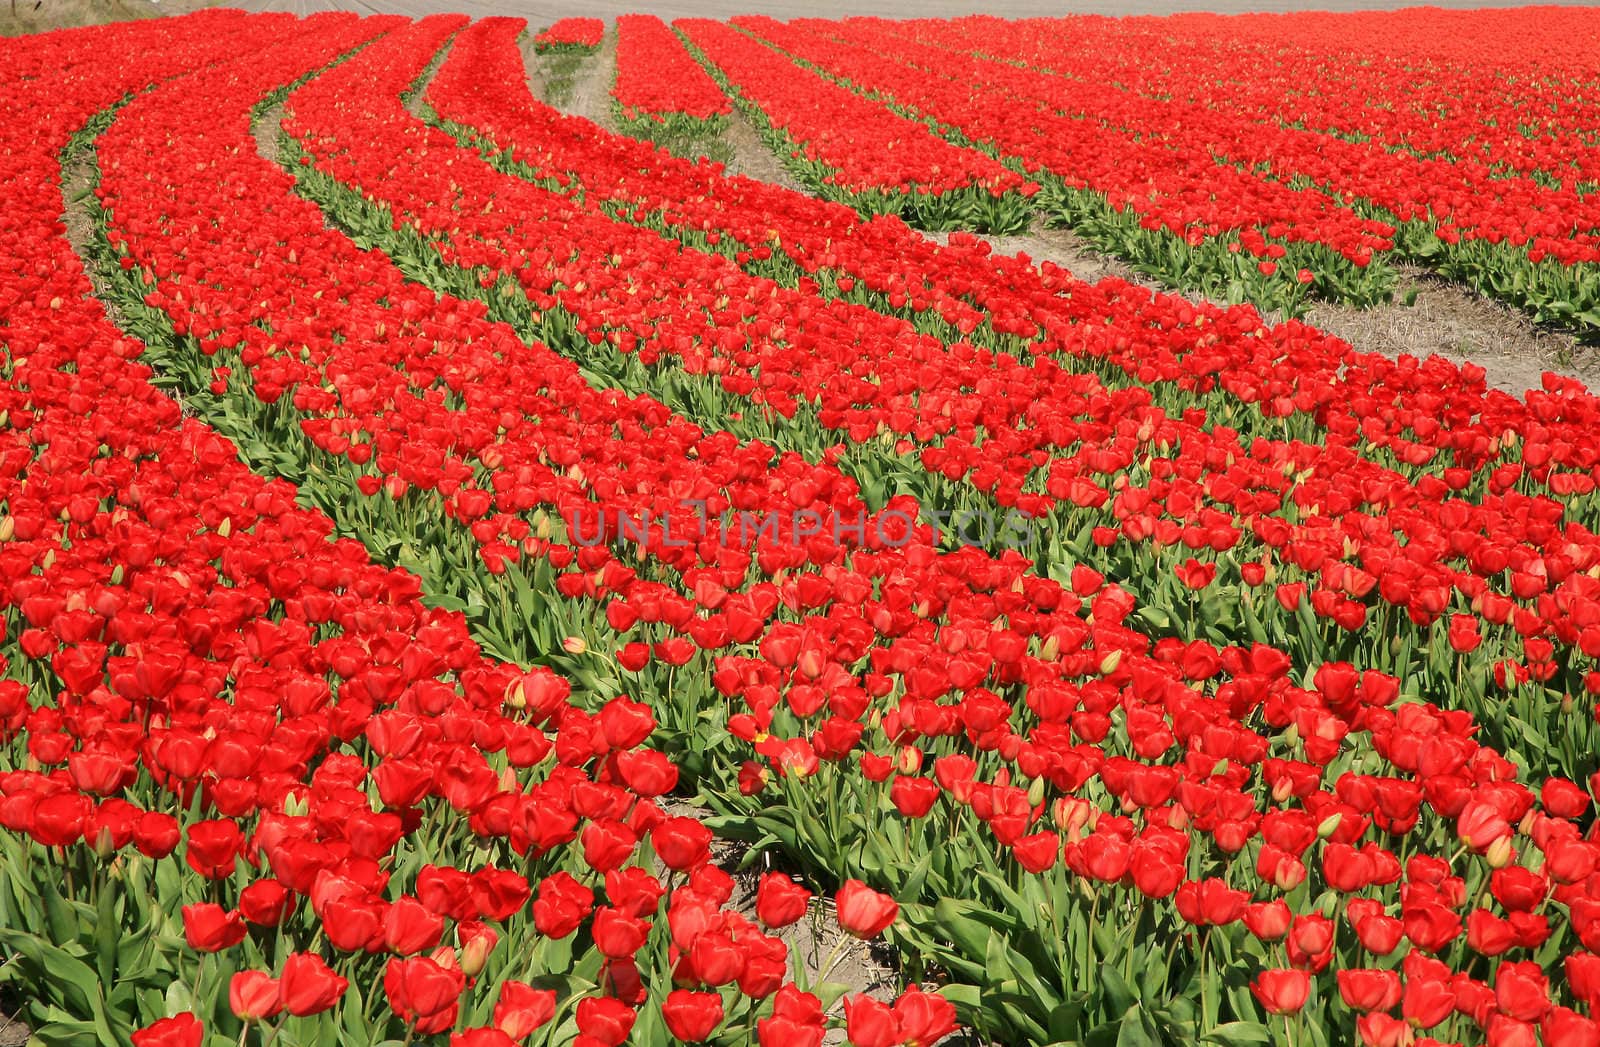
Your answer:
<point x="474" y="577"/>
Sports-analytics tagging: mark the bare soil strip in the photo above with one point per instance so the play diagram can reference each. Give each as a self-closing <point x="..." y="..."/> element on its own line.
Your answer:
<point x="590" y="95"/>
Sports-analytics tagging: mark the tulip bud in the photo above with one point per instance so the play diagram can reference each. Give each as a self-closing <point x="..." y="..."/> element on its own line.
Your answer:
<point x="515" y="697"/>
<point x="475" y="954"/>
<point x="49" y="560"/>
<point x="295" y="805"/>
<point x="1566" y="704"/>
<point x="508" y="780"/>
<point x="541" y="524"/>
<point x="1051" y="648"/>
<point x="8" y="527"/>
<point x="1036" y="791"/>
<point x="1329" y="825"/>
<point x="116" y="575"/>
<point x="574" y="645"/>
<point x="1499" y="854"/>
<point x="1109" y="663"/>
<point x="225" y="528"/>
<point x="104" y="846"/>
<point x="908" y="760"/>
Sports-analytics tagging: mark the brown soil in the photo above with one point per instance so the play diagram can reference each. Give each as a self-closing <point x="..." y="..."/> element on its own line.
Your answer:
<point x="1442" y="317"/>
<point x="750" y="156"/>
<point x="590" y="96"/>
<point x="12" y="1032"/>
<point x="40" y="16"/>
<point x="267" y="129"/>
<point x="1043" y="243"/>
<point x="1458" y="324"/>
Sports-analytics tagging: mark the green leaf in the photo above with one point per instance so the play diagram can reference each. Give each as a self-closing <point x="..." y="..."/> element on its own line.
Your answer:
<point x="1239" y="1034"/>
<point x="1137" y="1030"/>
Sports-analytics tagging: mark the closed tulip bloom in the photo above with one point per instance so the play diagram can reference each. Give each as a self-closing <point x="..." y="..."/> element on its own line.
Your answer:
<point x="1522" y="991"/>
<point x="780" y="901"/>
<point x="863" y="912"/>
<point x="925" y="1018"/>
<point x="604" y="1020"/>
<point x="871" y="1023"/>
<point x="207" y="927"/>
<point x="520" y="1009"/>
<point x="1369" y="990"/>
<point x="253" y="995"/>
<point x="692" y="1016"/>
<point x="1282" y="992"/>
<point x="309" y="986"/>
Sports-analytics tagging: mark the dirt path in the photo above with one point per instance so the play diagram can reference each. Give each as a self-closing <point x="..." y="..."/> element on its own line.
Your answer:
<point x="1444" y="317"/>
<point x="1065" y="248"/>
<point x="750" y="155"/>
<point x="1460" y="325"/>
<point x="590" y="92"/>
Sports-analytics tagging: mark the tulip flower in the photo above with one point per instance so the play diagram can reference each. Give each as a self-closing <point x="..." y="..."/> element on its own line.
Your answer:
<point x="1282" y="992"/>
<point x="863" y="912"/>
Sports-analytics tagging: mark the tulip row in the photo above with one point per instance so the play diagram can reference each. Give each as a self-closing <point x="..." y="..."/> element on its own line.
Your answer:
<point x="1442" y="204"/>
<point x="232" y="708"/>
<point x="1473" y="60"/>
<point x="659" y="87"/>
<point x="581" y="35"/>
<point x="1165" y="205"/>
<point x="775" y="655"/>
<point x="855" y="151"/>
<point x="874" y="665"/>
<point x="1336" y="609"/>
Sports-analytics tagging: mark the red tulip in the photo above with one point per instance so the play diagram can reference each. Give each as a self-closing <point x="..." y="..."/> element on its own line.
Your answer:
<point x="254" y="995"/>
<point x="521" y="1009"/>
<point x="1282" y="992"/>
<point x="422" y="993"/>
<point x="780" y="901"/>
<point x="207" y="927"/>
<point x="863" y="912"/>
<point x="692" y="1016"/>
<point x="308" y="985"/>
<point x="1369" y="990"/>
<point x="182" y="1030"/>
<point x="605" y="1021"/>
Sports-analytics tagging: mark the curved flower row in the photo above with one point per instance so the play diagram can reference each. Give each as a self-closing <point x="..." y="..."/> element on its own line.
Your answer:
<point x="1475" y="63"/>
<point x="226" y="715"/>
<point x="846" y="142"/>
<point x="1417" y="593"/>
<point x="594" y="281"/>
<point x="1446" y="199"/>
<point x="657" y="80"/>
<point x="1171" y="185"/>
<point x="797" y="763"/>
<point x="1018" y="758"/>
